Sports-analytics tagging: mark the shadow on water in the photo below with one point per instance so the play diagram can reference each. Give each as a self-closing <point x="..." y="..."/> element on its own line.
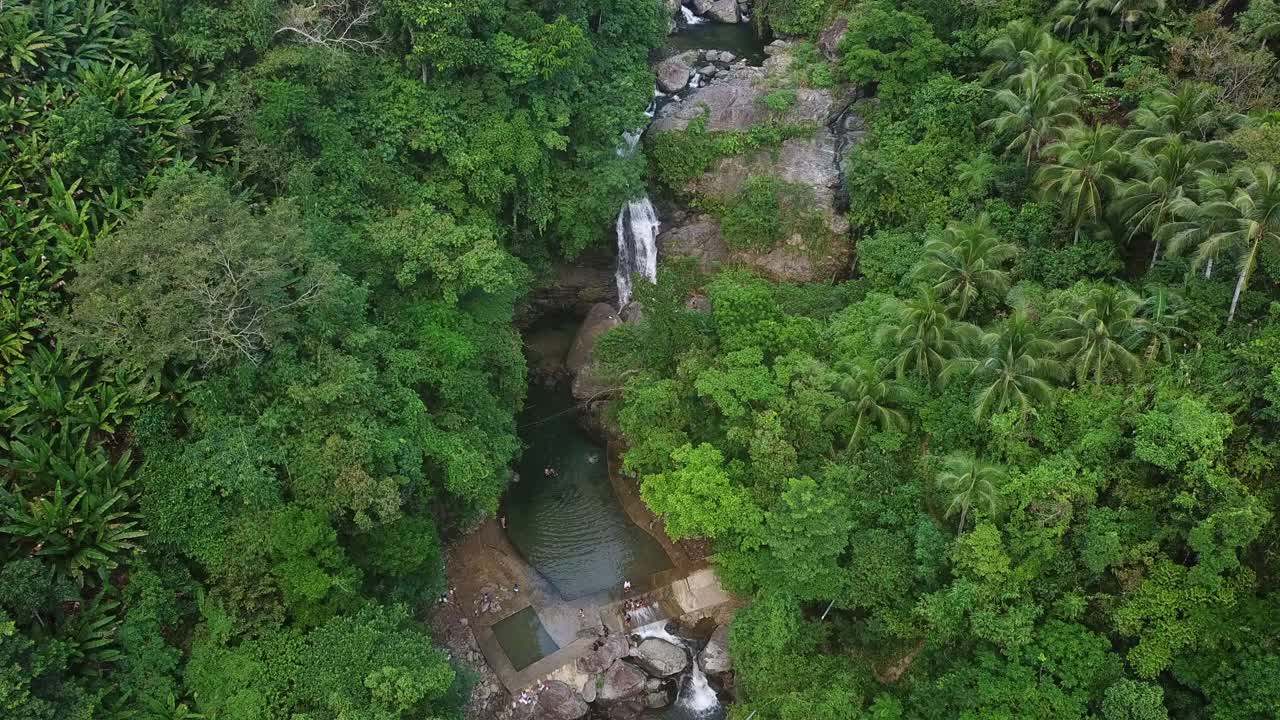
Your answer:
<point x="740" y="39"/>
<point x="570" y="526"/>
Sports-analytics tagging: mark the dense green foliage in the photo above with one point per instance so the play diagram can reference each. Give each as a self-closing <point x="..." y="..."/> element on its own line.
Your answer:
<point x="258" y="268"/>
<point x="258" y="265"/>
<point x="1018" y="466"/>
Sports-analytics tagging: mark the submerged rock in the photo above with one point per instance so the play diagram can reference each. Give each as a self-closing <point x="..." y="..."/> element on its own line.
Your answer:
<point x="660" y="657"/>
<point x="621" y="681"/>
<point x="558" y="701"/>
<point x="715" y="659"/>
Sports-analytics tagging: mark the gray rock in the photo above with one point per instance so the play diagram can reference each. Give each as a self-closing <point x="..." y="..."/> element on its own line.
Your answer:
<point x="601" y="318"/>
<point x="558" y="701"/>
<point x="621" y="681"/>
<point x="673" y="73"/>
<point x="655" y="700"/>
<point x="738" y="104"/>
<point x="715" y="659"/>
<point x="698" y="237"/>
<point x="829" y="39"/>
<point x="723" y="11"/>
<point x="707" y="71"/>
<point x="661" y="658"/>
<point x="599" y="659"/>
<point x="589" y="689"/>
<point x="725" y="56"/>
<point x="653" y="685"/>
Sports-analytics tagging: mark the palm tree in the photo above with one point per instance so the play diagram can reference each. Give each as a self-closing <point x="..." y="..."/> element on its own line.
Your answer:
<point x="1016" y="366"/>
<point x="1082" y="172"/>
<point x="926" y="335"/>
<point x="1161" y="329"/>
<point x="868" y="401"/>
<point x="966" y="261"/>
<point x="969" y="482"/>
<point x="1023" y="45"/>
<point x="1129" y="12"/>
<point x="1200" y="218"/>
<point x="1037" y="105"/>
<point x="1251" y="219"/>
<point x="1164" y="177"/>
<point x="1093" y="333"/>
<point x="1190" y="110"/>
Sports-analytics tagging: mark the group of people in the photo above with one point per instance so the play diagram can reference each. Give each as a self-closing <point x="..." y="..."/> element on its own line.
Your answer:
<point x="529" y="696"/>
<point x="549" y="472"/>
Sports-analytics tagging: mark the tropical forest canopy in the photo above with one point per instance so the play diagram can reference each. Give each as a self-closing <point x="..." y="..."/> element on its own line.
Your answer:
<point x="258" y="269"/>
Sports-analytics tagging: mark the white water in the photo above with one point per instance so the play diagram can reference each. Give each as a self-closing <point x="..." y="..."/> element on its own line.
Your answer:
<point x="637" y="230"/>
<point x="689" y="17"/>
<point x="699" y="699"/>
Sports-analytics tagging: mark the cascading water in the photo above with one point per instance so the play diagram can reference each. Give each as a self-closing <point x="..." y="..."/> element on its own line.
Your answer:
<point x="637" y="226"/>
<point x="689" y="17"/>
<point x="637" y="229"/>
<point x="698" y="698"/>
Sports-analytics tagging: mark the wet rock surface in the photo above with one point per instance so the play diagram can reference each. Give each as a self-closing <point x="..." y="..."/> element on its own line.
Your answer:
<point x="715" y="659"/>
<point x="621" y="681"/>
<point x="660" y="658"/>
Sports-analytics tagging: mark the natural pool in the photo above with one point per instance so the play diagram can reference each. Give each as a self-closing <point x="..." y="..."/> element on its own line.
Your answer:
<point x="570" y="526"/>
<point x="740" y="39"/>
<point x="523" y="638"/>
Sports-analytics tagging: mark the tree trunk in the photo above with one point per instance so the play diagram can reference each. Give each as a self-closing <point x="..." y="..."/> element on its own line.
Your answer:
<point x="1245" y="269"/>
<point x="1208" y="269"/>
<point x="1155" y="254"/>
<point x="963" y="514"/>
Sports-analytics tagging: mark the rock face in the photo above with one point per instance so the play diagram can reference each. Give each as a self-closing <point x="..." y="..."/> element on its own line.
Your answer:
<point x="673" y="73"/>
<point x="829" y="39"/>
<point x="621" y="681"/>
<point x="660" y="657"/>
<point x="723" y="11"/>
<point x="734" y="101"/>
<point x="558" y="701"/>
<point x="715" y="658"/>
<point x="602" y="317"/>
<point x="574" y="287"/>
<point x="609" y="650"/>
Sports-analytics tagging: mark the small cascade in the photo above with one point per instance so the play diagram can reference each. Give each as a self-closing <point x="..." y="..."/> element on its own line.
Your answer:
<point x="637" y="229"/>
<point x="689" y="17"/>
<point x="698" y="698"/>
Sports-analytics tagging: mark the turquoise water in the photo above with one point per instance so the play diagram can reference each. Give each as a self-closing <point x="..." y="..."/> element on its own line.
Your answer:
<point x="523" y="638"/>
<point x="570" y="526"/>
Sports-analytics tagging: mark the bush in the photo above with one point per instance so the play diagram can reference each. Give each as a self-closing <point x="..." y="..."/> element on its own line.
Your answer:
<point x="682" y="157"/>
<point x="766" y="211"/>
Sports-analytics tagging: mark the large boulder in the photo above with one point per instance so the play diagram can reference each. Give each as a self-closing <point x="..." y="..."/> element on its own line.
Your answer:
<point x="620" y="682"/>
<point x="630" y="710"/>
<point x="673" y="73"/>
<point x="558" y="701"/>
<point x="661" y="658"/>
<point x="813" y="162"/>
<point x="715" y="658"/>
<point x="602" y="317"/>
<point x="722" y="11"/>
<point x="604" y="654"/>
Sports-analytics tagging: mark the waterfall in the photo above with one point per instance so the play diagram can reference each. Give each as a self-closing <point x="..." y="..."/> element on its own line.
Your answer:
<point x="637" y="230"/>
<point x="689" y="17"/>
<point x="699" y="699"/>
